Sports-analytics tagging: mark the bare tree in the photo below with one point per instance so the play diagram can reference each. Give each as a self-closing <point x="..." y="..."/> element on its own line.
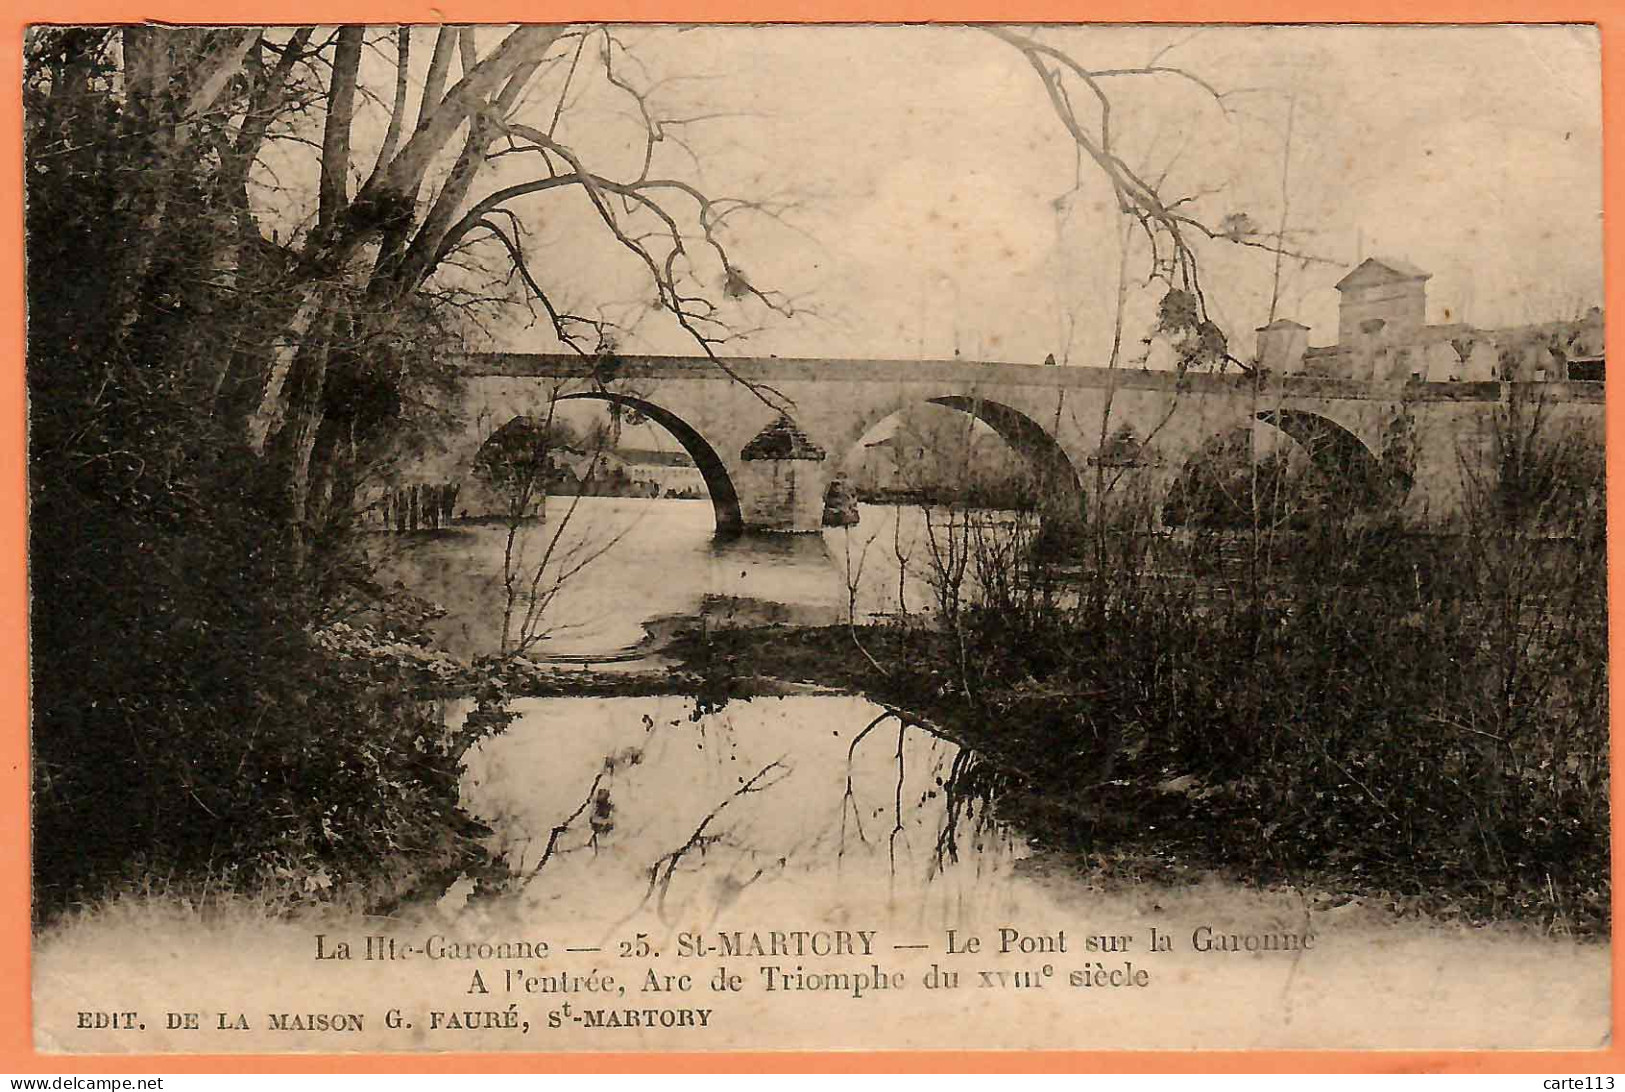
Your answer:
<point x="399" y="222"/>
<point x="527" y="463"/>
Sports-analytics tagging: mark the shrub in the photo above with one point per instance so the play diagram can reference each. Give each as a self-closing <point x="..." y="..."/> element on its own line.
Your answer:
<point x="1416" y="707"/>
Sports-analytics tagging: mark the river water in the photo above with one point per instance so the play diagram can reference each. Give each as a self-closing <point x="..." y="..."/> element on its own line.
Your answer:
<point x="639" y="813"/>
<point x="657" y="559"/>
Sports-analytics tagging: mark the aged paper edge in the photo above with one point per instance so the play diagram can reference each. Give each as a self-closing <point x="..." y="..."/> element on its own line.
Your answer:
<point x="17" y="1053"/>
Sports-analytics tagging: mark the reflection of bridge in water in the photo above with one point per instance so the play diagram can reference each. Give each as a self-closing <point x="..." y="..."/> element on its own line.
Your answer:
<point x="770" y="436"/>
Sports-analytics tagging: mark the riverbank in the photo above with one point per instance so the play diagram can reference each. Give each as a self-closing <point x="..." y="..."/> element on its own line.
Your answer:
<point x="734" y="781"/>
<point x="1191" y="743"/>
<point x="1137" y="820"/>
<point x="1337" y="728"/>
<point x="1117" y="808"/>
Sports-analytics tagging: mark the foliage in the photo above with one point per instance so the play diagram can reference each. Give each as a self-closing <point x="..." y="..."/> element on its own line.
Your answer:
<point x="185" y="720"/>
<point x="523" y="460"/>
<point x="239" y="314"/>
<point x="1229" y="488"/>
<point x="413" y="655"/>
<point x="218" y="740"/>
<point x="1424" y="712"/>
<point x="1197" y="340"/>
<point x="311" y="314"/>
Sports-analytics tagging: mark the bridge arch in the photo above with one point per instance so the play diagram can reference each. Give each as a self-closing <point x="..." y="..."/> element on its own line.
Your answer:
<point x="1041" y="451"/>
<point x="718" y="483"/>
<point x="1339" y="456"/>
<point x="1331" y="447"/>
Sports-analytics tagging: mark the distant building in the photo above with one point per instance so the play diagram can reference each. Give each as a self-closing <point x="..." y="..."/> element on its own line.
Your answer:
<point x="632" y="473"/>
<point x="1383" y="335"/>
<point x="673" y="473"/>
<point x="1382" y="298"/>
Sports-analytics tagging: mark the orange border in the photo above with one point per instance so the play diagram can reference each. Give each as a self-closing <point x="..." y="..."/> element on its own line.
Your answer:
<point x="16" y="1049"/>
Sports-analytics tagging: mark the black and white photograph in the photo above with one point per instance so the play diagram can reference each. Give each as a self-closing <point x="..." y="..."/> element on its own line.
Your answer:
<point x="652" y="537"/>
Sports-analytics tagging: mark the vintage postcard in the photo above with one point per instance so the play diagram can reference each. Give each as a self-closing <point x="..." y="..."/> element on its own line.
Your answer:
<point x="563" y="538"/>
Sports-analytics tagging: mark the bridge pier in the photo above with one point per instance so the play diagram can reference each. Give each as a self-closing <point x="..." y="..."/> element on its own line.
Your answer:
<point x="781" y="479"/>
<point x="782" y="496"/>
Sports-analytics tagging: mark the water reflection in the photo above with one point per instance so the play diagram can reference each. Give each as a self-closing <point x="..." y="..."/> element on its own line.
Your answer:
<point x="667" y="562"/>
<point x="621" y="810"/>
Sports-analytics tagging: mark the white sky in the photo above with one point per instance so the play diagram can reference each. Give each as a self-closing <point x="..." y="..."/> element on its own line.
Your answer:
<point x="927" y="163"/>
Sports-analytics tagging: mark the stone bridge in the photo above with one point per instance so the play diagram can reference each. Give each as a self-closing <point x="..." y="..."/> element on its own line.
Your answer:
<point x="769" y="435"/>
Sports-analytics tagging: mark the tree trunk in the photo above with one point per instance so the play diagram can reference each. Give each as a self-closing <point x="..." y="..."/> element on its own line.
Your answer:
<point x="327" y="461"/>
<point x="289" y="452"/>
<point x="333" y="194"/>
<point x="397" y="112"/>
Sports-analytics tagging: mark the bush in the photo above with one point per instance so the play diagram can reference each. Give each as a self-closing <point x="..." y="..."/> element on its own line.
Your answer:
<point x="1414" y="708"/>
<point x="216" y="739"/>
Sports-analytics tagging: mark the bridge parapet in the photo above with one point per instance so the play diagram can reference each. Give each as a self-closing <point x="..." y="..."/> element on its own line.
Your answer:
<point x="994" y="374"/>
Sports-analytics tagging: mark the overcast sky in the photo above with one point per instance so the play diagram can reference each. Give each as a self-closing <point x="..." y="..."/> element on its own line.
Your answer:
<point x="929" y="171"/>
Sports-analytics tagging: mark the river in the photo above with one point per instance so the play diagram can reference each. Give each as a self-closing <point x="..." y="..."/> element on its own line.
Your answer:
<point x="658" y="559"/>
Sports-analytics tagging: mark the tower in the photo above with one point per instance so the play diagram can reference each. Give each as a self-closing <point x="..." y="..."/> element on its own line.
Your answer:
<point x="1383" y="298"/>
<point x="1281" y="346"/>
